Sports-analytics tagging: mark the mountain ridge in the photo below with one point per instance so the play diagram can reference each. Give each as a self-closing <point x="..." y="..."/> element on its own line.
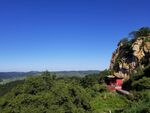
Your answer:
<point x="10" y="75"/>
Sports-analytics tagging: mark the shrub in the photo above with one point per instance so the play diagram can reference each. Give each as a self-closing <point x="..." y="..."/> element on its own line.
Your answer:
<point x="141" y="84"/>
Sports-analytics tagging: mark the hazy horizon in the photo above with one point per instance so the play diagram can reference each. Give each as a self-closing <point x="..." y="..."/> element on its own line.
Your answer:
<point x="46" y="70"/>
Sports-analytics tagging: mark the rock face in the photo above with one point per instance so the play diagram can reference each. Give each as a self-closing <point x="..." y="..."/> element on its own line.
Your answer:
<point x="129" y="55"/>
<point x="137" y="49"/>
<point x="147" y="47"/>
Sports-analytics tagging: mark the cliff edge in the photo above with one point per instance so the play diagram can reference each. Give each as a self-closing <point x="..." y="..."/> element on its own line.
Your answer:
<point x="131" y="54"/>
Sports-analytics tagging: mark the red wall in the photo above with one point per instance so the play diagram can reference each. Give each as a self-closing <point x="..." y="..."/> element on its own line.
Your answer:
<point x="119" y="82"/>
<point x="114" y="83"/>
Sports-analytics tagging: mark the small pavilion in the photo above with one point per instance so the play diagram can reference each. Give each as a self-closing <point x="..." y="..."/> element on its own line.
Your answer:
<point x="114" y="83"/>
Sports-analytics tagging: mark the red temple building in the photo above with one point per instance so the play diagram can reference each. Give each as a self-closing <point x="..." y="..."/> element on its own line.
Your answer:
<point x="114" y="83"/>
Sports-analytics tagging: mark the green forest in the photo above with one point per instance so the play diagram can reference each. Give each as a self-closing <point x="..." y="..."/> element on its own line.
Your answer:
<point x="49" y="93"/>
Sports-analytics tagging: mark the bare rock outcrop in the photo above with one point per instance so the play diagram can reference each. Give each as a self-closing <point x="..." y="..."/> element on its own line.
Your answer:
<point x="147" y="47"/>
<point x="129" y="56"/>
<point x="137" y="49"/>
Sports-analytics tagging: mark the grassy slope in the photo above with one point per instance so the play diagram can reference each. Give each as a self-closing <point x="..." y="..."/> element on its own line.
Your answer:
<point x="108" y="101"/>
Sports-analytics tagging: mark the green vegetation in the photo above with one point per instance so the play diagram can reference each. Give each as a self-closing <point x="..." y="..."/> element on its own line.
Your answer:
<point x="144" y="31"/>
<point x="52" y="93"/>
<point x="139" y="84"/>
<point x="7" y="87"/>
<point x="111" y="101"/>
<point x="45" y="94"/>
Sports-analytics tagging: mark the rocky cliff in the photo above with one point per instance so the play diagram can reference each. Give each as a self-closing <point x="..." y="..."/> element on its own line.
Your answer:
<point x="129" y="55"/>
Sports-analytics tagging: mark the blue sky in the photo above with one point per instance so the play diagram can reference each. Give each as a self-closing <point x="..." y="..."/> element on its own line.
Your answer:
<point x="65" y="34"/>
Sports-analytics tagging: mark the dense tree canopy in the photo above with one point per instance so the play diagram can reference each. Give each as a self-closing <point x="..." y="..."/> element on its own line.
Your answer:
<point x="50" y="94"/>
<point x="43" y="94"/>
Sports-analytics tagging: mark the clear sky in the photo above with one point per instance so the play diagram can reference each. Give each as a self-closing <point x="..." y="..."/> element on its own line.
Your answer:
<point x="65" y="34"/>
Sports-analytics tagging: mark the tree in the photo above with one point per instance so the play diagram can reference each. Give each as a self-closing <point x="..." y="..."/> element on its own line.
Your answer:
<point x="48" y="74"/>
<point x="41" y="94"/>
<point x="124" y="41"/>
<point x="1" y="80"/>
<point x="144" y="31"/>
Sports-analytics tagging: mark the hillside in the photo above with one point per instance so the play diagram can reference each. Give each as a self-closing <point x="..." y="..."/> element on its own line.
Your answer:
<point x="12" y="75"/>
<point x="49" y="93"/>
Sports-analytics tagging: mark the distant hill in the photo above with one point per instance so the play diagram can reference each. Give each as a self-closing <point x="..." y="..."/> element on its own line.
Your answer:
<point x="75" y="73"/>
<point x="12" y="75"/>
